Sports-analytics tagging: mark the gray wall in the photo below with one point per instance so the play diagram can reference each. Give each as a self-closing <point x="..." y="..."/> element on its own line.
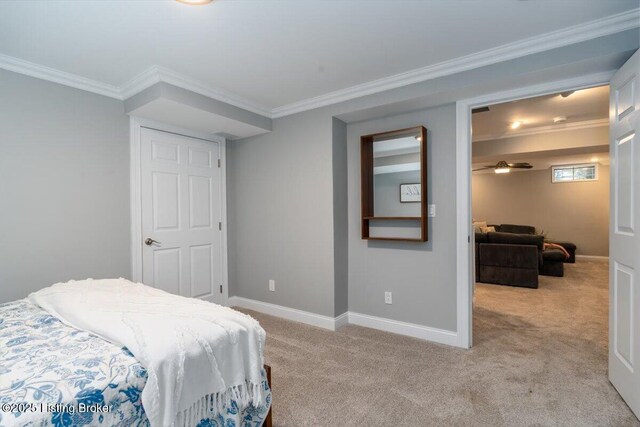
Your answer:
<point x="281" y="215"/>
<point x="386" y="194"/>
<point x="64" y="186"/>
<point x="286" y="191"/>
<point x="421" y="276"/>
<point x="577" y="212"/>
<point x="340" y="218"/>
<point x="293" y="238"/>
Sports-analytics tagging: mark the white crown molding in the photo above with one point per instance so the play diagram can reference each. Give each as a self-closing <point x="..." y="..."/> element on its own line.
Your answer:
<point x="62" y="77"/>
<point x="585" y="124"/>
<point x="593" y="29"/>
<point x="142" y="81"/>
<point x="156" y="74"/>
<point x="148" y="78"/>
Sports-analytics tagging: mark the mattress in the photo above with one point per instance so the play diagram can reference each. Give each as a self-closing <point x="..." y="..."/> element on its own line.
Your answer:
<point x="55" y="375"/>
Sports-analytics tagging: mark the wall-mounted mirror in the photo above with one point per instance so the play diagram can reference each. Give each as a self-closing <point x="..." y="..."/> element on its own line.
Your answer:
<point x="394" y="185"/>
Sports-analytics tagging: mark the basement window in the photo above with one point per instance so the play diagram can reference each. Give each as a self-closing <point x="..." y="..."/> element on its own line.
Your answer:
<point x="574" y="173"/>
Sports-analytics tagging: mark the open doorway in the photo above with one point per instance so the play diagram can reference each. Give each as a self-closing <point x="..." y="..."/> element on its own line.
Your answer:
<point x="540" y="169"/>
<point x="623" y="335"/>
<point x="540" y="204"/>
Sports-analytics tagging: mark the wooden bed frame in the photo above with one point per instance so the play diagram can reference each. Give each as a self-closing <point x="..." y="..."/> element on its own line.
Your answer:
<point x="268" y="422"/>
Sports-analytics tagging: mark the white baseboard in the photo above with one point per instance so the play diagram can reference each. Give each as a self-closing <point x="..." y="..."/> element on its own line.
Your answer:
<point x="342" y="320"/>
<point x="403" y="328"/>
<point x="296" y="315"/>
<point x="333" y="323"/>
<point x="593" y="257"/>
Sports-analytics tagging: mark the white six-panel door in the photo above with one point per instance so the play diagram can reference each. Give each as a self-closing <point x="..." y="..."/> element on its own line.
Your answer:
<point x="181" y="211"/>
<point x="624" y="251"/>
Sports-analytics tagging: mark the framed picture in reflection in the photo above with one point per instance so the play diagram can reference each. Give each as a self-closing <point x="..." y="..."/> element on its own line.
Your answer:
<point x="410" y="193"/>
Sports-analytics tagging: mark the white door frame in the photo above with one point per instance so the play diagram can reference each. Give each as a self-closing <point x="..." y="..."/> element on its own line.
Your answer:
<point x="136" y="124"/>
<point x="465" y="274"/>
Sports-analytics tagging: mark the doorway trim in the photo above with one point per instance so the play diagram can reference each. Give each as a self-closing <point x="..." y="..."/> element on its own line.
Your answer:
<point x="465" y="267"/>
<point x="135" y="126"/>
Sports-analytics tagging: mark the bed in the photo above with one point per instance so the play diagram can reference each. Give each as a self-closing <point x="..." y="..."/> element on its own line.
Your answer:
<point x="54" y="374"/>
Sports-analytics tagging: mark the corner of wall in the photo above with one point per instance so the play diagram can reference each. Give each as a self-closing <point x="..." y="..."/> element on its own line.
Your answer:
<point x="231" y="222"/>
<point x="340" y="217"/>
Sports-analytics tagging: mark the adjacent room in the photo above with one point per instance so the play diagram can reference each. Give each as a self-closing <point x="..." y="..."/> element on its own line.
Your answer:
<point x="540" y="203"/>
<point x="541" y="167"/>
<point x="221" y="213"/>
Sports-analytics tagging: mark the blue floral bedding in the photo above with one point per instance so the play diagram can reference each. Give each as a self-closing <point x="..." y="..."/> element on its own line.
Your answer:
<point x="55" y="375"/>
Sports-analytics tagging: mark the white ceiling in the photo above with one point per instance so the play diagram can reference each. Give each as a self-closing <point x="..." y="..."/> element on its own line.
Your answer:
<point x="583" y="106"/>
<point x="587" y="107"/>
<point x="274" y="53"/>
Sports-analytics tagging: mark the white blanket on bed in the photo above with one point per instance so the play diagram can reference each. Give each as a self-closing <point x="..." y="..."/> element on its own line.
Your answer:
<point x="199" y="356"/>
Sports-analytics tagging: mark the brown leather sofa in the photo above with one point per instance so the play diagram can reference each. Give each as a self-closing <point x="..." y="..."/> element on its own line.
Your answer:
<point x="515" y="256"/>
<point x="508" y="258"/>
<point x="527" y="229"/>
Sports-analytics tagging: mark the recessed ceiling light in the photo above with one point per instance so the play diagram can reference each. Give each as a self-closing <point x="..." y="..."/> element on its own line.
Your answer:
<point x="559" y="119"/>
<point x="516" y="124"/>
<point x="194" y="2"/>
<point x="594" y="159"/>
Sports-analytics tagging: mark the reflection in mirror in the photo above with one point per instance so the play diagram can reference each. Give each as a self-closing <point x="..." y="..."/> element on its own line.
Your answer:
<point x="396" y="177"/>
<point x="394" y="185"/>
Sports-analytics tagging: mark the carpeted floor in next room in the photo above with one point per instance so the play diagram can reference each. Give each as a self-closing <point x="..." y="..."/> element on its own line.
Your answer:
<point x="539" y="359"/>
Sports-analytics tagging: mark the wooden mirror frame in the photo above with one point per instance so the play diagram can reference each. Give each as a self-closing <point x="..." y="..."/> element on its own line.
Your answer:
<point x="366" y="182"/>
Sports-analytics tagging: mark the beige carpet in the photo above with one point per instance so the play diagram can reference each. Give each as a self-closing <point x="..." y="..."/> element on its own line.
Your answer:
<point x="540" y="359"/>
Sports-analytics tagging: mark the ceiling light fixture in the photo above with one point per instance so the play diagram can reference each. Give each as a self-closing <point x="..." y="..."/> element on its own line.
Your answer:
<point x="567" y="93"/>
<point x="502" y="167"/>
<point x="418" y="138"/>
<point x="559" y="119"/>
<point x="516" y="124"/>
<point x="194" y="2"/>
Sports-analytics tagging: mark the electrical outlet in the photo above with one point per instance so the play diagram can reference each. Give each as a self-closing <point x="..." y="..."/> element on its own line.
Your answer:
<point x="272" y="285"/>
<point x="387" y="298"/>
<point x="432" y="211"/>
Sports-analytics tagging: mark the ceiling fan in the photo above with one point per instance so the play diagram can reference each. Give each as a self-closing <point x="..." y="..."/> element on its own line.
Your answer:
<point x="504" y="167"/>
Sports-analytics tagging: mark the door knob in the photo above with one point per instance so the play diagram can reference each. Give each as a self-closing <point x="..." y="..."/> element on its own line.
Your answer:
<point x="149" y="241"/>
